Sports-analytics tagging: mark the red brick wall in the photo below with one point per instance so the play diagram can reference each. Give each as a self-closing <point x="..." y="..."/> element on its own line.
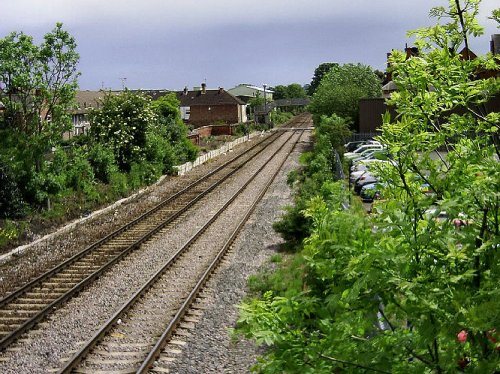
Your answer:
<point x="201" y="115"/>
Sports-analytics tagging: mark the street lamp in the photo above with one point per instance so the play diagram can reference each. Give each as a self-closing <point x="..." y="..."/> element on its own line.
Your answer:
<point x="265" y="104"/>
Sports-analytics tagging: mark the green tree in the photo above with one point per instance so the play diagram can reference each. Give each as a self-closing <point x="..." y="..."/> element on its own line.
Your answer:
<point x="173" y="129"/>
<point x="292" y="91"/>
<point x="280" y="92"/>
<point x="341" y="88"/>
<point x="405" y="290"/>
<point x="319" y="73"/>
<point x="37" y="88"/>
<point x="122" y="123"/>
<point x="38" y="83"/>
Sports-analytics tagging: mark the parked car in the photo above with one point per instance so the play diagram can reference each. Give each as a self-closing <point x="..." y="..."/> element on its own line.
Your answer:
<point x="352" y="146"/>
<point x="358" y="169"/>
<point x="363" y="150"/>
<point x="370" y="192"/>
<point x="376" y="154"/>
<point x="366" y="178"/>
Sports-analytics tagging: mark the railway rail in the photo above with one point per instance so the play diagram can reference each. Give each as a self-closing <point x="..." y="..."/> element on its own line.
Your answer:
<point x="134" y="336"/>
<point x="25" y="307"/>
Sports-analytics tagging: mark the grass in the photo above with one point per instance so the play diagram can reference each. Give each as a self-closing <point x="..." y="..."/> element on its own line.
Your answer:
<point x="285" y="278"/>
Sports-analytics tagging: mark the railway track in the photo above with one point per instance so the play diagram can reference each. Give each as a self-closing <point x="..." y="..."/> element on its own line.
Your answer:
<point x="135" y="335"/>
<point x="25" y="307"/>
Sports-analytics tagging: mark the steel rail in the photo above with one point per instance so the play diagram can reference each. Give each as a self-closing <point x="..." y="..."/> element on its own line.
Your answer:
<point x="41" y="314"/>
<point x="162" y="341"/>
<point x="75" y="360"/>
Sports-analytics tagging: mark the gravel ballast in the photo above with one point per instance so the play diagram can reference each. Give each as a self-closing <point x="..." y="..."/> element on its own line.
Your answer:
<point x="210" y="348"/>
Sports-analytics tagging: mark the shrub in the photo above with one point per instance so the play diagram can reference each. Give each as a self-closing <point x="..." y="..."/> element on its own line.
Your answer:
<point x="80" y="174"/>
<point x="119" y="183"/>
<point x="103" y="162"/>
<point x="12" y="204"/>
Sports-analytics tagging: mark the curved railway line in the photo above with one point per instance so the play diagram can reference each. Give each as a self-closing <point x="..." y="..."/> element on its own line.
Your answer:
<point x="26" y="306"/>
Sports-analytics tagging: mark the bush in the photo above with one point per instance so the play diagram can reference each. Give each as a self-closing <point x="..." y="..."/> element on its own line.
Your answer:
<point x="103" y="162"/>
<point x="80" y="174"/>
<point x="11" y="201"/>
<point x="280" y="117"/>
<point x="119" y="183"/>
<point x="144" y="173"/>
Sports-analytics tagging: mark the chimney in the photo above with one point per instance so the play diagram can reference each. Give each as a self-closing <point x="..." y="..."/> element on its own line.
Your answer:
<point x="495" y="44"/>
<point x="203" y="88"/>
<point x="185" y="92"/>
<point x="221" y="90"/>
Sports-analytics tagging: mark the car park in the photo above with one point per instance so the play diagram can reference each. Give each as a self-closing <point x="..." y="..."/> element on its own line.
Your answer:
<point x="362" y="152"/>
<point x="360" y="168"/>
<point x="363" y="148"/>
<point x="377" y="154"/>
<point x="370" y="192"/>
<point x="352" y="146"/>
<point x="366" y="178"/>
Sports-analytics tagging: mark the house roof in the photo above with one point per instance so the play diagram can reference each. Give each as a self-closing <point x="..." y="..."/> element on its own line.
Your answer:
<point x="86" y="100"/>
<point x="210" y="97"/>
<point x="391" y="86"/>
<point x="250" y="87"/>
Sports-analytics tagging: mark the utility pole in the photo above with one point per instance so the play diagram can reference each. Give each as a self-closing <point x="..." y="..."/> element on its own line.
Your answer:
<point x="124" y="81"/>
<point x="265" y="104"/>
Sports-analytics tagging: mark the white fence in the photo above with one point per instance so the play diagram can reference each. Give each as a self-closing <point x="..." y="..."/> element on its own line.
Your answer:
<point x="184" y="168"/>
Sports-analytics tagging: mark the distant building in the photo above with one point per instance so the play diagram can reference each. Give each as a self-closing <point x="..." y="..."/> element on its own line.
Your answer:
<point x="201" y="107"/>
<point x="245" y="92"/>
<point x="85" y="102"/>
<point x="371" y="109"/>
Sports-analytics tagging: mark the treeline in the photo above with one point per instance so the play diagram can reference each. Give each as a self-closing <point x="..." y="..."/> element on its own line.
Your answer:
<point x="132" y="139"/>
<point x="410" y="288"/>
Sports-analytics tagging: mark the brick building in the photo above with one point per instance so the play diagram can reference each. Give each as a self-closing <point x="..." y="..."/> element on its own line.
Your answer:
<point x="371" y="109"/>
<point x="202" y="107"/>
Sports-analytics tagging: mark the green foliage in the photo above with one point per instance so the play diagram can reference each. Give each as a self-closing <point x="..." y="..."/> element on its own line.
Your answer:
<point x="280" y="117"/>
<point x="122" y="123"/>
<point x="256" y="101"/>
<point x="79" y="171"/>
<point x="320" y="166"/>
<point x="292" y="91"/>
<point x="38" y="84"/>
<point x="248" y="127"/>
<point x="404" y="290"/>
<point x="319" y="73"/>
<point x="11" y="200"/>
<point x="340" y="90"/>
<point x="103" y="162"/>
<point x="119" y="184"/>
<point x="38" y="87"/>
<point x="172" y="129"/>
<point x="10" y="231"/>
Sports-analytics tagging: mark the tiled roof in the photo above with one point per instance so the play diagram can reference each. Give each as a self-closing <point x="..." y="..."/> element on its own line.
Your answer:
<point x="210" y="97"/>
<point x="92" y="99"/>
<point x="87" y="100"/>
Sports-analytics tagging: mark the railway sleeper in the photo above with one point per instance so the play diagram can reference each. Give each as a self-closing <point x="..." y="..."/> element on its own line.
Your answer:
<point x="51" y="293"/>
<point x="15" y="310"/>
<point x="10" y="320"/>
<point x="124" y="353"/>
<point x="7" y="328"/>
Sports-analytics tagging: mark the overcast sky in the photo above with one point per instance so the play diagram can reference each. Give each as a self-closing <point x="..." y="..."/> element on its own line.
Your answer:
<point x="171" y="44"/>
